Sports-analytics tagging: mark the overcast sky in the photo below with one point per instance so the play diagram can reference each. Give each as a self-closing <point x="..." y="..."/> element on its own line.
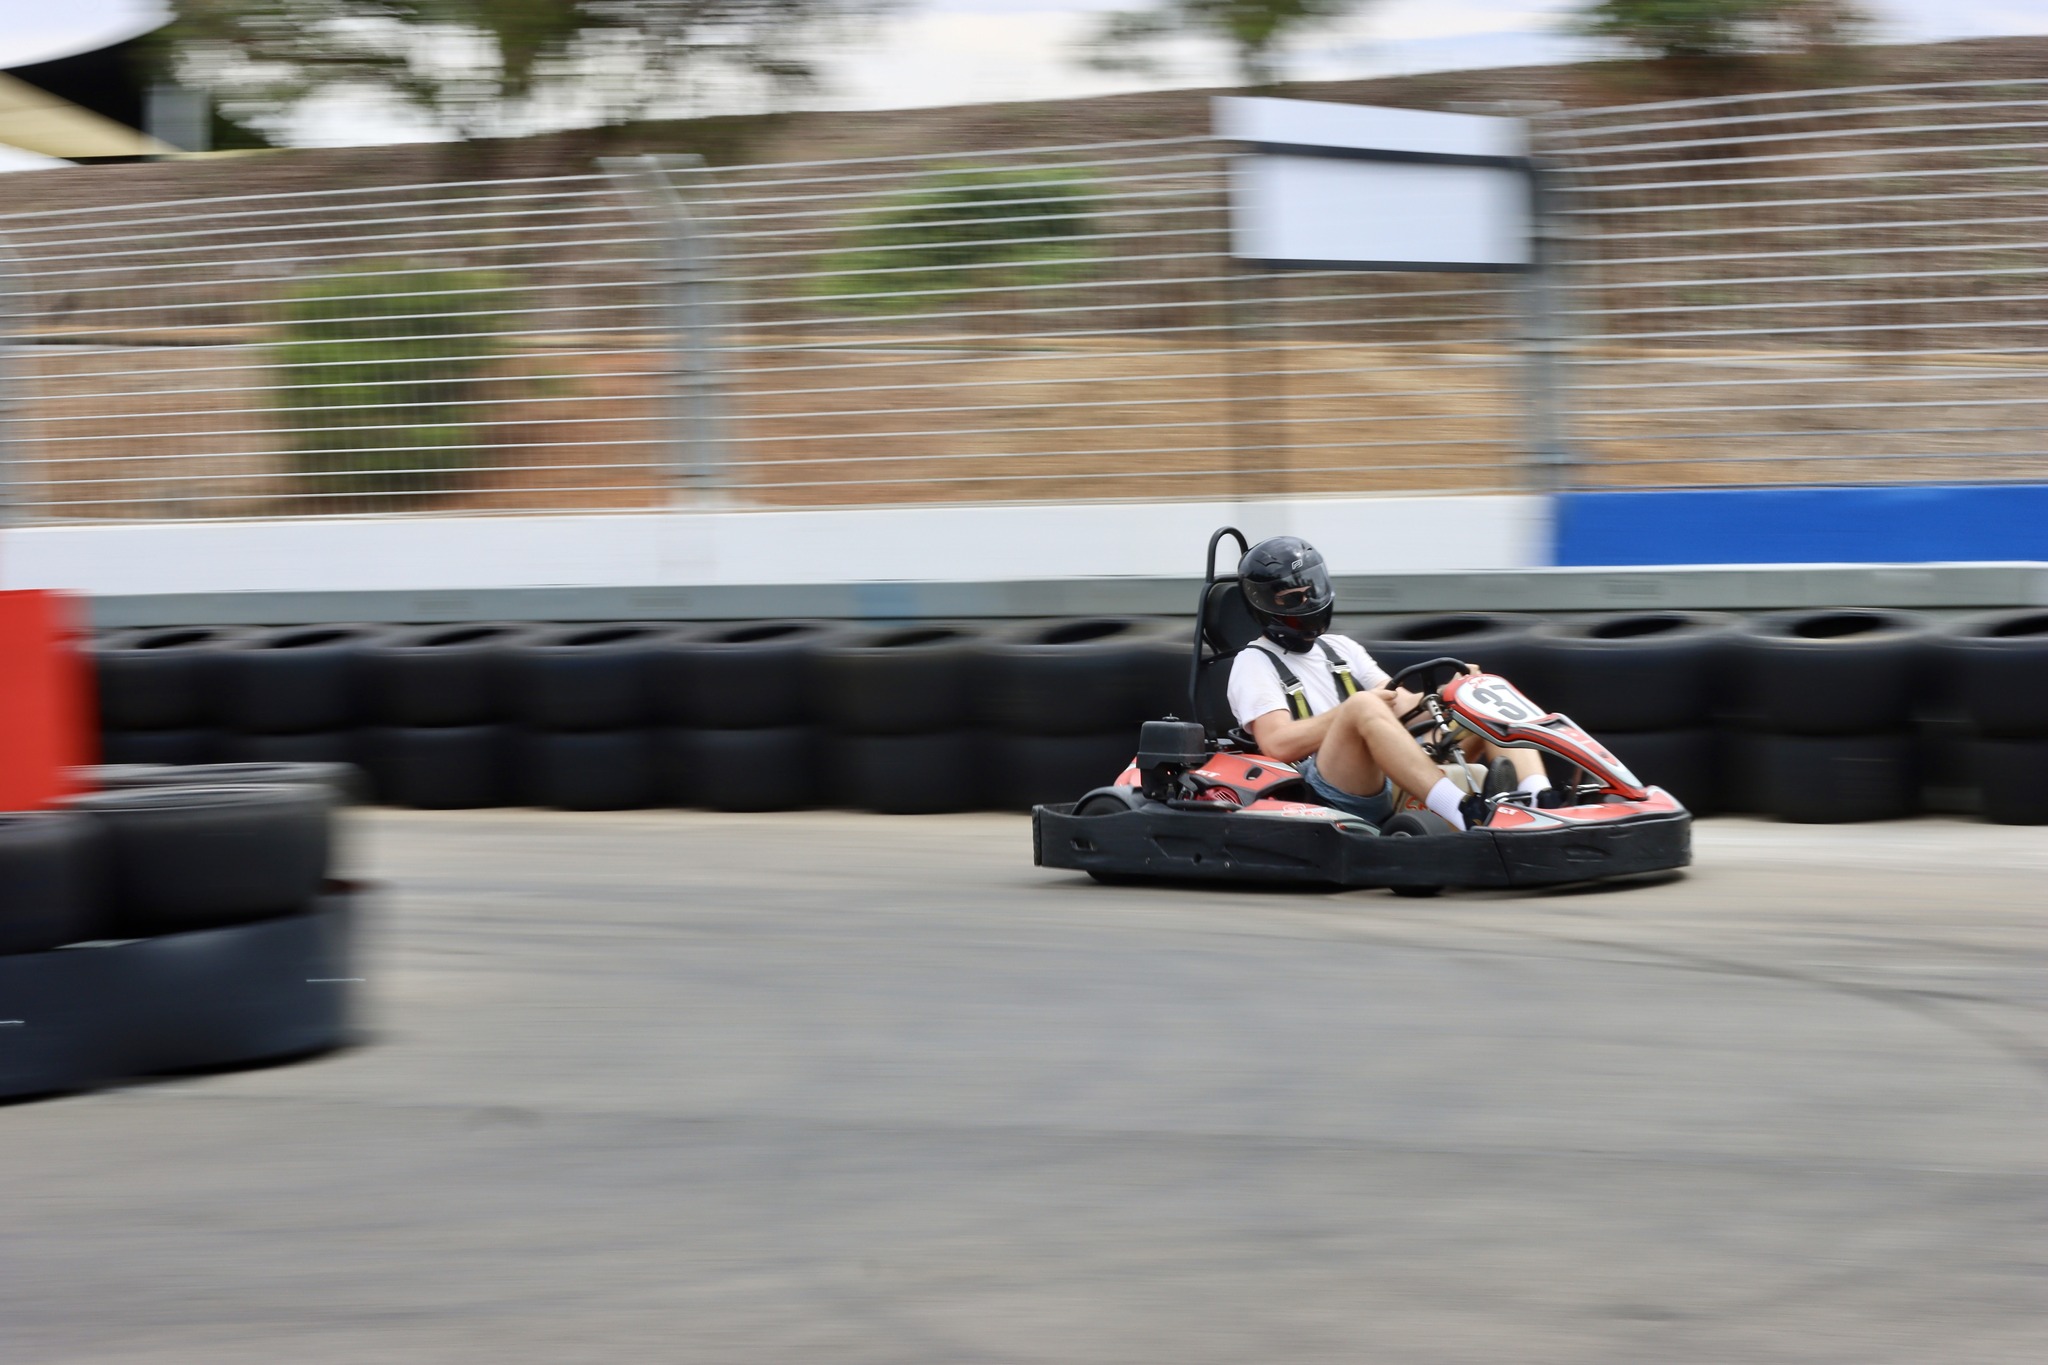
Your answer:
<point x="963" y="51"/>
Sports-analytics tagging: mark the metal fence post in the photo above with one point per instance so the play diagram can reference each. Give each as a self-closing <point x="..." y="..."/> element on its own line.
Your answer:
<point x="10" y="386"/>
<point x="1544" y="343"/>
<point x="690" y="308"/>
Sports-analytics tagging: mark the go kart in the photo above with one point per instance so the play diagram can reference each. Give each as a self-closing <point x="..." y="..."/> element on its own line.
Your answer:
<point x="1199" y="803"/>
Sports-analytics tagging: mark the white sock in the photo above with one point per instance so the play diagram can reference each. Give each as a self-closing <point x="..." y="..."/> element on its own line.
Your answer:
<point x="1443" y="798"/>
<point x="1538" y="783"/>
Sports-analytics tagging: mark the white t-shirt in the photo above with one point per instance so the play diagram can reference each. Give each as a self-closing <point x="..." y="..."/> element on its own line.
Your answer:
<point x="1255" y="685"/>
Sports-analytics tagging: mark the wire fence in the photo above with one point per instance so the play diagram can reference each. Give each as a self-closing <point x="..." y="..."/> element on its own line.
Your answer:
<point x="1839" y="286"/>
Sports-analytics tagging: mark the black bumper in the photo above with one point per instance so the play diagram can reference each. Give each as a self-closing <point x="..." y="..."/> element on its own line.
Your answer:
<point x="1283" y="850"/>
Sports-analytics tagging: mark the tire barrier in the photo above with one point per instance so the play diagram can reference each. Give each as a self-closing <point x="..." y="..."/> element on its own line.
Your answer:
<point x="299" y="680"/>
<point x="98" y="1012"/>
<point x="780" y="715"/>
<point x="1998" y="667"/>
<point x="2009" y="772"/>
<point x="1632" y="672"/>
<point x="771" y="768"/>
<point x="586" y="769"/>
<point x="1497" y="641"/>
<point x="749" y="675"/>
<point x="583" y="678"/>
<point x="49" y="893"/>
<point x="441" y="675"/>
<point x="159" y="680"/>
<point x="441" y="767"/>
<point x="907" y="774"/>
<point x="147" y="928"/>
<point x="343" y="781"/>
<point x="201" y="856"/>
<point x="1835" y="779"/>
<point x="1081" y="677"/>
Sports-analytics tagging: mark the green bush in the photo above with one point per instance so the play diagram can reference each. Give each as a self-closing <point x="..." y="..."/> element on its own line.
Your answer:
<point x="963" y="229"/>
<point x="377" y="386"/>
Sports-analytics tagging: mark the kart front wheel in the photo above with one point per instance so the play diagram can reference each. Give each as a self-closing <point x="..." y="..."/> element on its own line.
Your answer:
<point x="1108" y="801"/>
<point x="1416" y="824"/>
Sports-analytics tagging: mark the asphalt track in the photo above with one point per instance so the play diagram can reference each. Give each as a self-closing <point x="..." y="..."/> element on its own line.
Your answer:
<point x="835" y="1089"/>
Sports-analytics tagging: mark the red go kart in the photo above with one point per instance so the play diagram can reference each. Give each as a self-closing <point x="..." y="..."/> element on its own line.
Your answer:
<point x="1199" y="803"/>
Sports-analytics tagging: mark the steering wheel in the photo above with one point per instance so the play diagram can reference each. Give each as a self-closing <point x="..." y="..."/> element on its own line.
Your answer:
<point x="1450" y="668"/>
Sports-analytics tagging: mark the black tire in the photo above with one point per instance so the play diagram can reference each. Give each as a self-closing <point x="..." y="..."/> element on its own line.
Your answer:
<point x="1497" y="641"/>
<point x="1107" y="801"/>
<point x="739" y="675"/>
<point x="1501" y="778"/>
<point x="343" y="780"/>
<point x="1632" y="671"/>
<point x="440" y="767"/>
<point x="159" y="679"/>
<point x="295" y="681"/>
<point x="898" y="680"/>
<point x="587" y="770"/>
<point x="161" y="746"/>
<point x="1853" y="672"/>
<point x="742" y="770"/>
<point x="1835" y="779"/>
<point x="1947" y="758"/>
<point x="189" y="857"/>
<point x="1022" y="771"/>
<point x="1685" y="763"/>
<point x="1416" y="824"/>
<point x="2013" y="776"/>
<point x="907" y="774"/>
<point x="587" y="677"/>
<point x="1998" y="665"/>
<point x="440" y="675"/>
<point x="49" y="888"/>
<point x="1082" y="677"/>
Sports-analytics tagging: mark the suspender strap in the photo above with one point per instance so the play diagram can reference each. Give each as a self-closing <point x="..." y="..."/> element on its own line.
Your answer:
<point x="1297" y="700"/>
<point x="1347" y="686"/>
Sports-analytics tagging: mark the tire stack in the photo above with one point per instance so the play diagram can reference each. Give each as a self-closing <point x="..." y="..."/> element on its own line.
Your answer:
<point x="175" y="918"/>
<point x="739" y="727"/>
<point x="899" y="703"/>
<point x="1645" y="684"/>
<point x="294" y="694"/>
<point x="439" y="697"/>
<point x="1824" y="710"/>
<point x="1061" y="702"/>
<point x="157" y="690"/>
<point x="583" y="696"/>
<point x="1497" y="641"/>
<point x="1998" y="666"/>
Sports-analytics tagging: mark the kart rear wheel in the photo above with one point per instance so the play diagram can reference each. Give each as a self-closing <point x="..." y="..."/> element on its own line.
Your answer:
<point x="1416" y="824"/>
<point x="1113" y="801"/>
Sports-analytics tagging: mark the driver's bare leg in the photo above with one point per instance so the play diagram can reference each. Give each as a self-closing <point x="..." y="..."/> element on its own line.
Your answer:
<point x="1368" y="744"/>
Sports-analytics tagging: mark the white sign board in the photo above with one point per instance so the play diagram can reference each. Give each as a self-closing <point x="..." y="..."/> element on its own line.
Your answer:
<point x="1355" y="187"/>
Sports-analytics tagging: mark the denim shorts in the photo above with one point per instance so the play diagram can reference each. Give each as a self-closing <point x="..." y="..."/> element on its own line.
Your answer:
<point x="1378" y="808"/>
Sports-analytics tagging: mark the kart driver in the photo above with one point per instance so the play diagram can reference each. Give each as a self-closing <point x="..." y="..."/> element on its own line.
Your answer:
<point x="1318" y="700"/>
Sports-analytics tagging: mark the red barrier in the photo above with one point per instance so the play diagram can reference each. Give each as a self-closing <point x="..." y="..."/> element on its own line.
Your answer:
<point x="46" y="727"/>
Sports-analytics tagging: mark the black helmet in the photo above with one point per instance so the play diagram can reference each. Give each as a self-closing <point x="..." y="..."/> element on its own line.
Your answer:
<point x="1289" y="589"/>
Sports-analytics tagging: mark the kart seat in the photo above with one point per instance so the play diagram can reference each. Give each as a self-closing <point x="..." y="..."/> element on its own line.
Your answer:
<point x="1227" y="626"/>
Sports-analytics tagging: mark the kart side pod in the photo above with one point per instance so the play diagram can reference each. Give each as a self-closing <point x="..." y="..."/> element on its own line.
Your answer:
<point x="1166" y="749"/>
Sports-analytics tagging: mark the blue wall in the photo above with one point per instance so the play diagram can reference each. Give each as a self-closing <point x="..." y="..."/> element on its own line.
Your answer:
<point x="1900" y="525"/>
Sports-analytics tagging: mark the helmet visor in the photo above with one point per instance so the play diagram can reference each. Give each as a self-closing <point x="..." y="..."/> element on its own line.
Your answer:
<point x="1302" y="590"/>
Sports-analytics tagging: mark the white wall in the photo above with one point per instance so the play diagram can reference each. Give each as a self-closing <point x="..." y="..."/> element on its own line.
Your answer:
<point x="1002" y="543"/>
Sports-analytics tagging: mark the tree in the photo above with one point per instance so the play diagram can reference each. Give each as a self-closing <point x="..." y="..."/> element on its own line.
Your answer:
<point x="1254" y="30"/>
<point x="491" y="67"/>
<point x="1711" y="30"/>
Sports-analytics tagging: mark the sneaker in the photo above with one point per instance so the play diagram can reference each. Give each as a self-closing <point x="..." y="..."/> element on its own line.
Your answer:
<point x="1550" y="798"/>
<point x="1476" y="809"/>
